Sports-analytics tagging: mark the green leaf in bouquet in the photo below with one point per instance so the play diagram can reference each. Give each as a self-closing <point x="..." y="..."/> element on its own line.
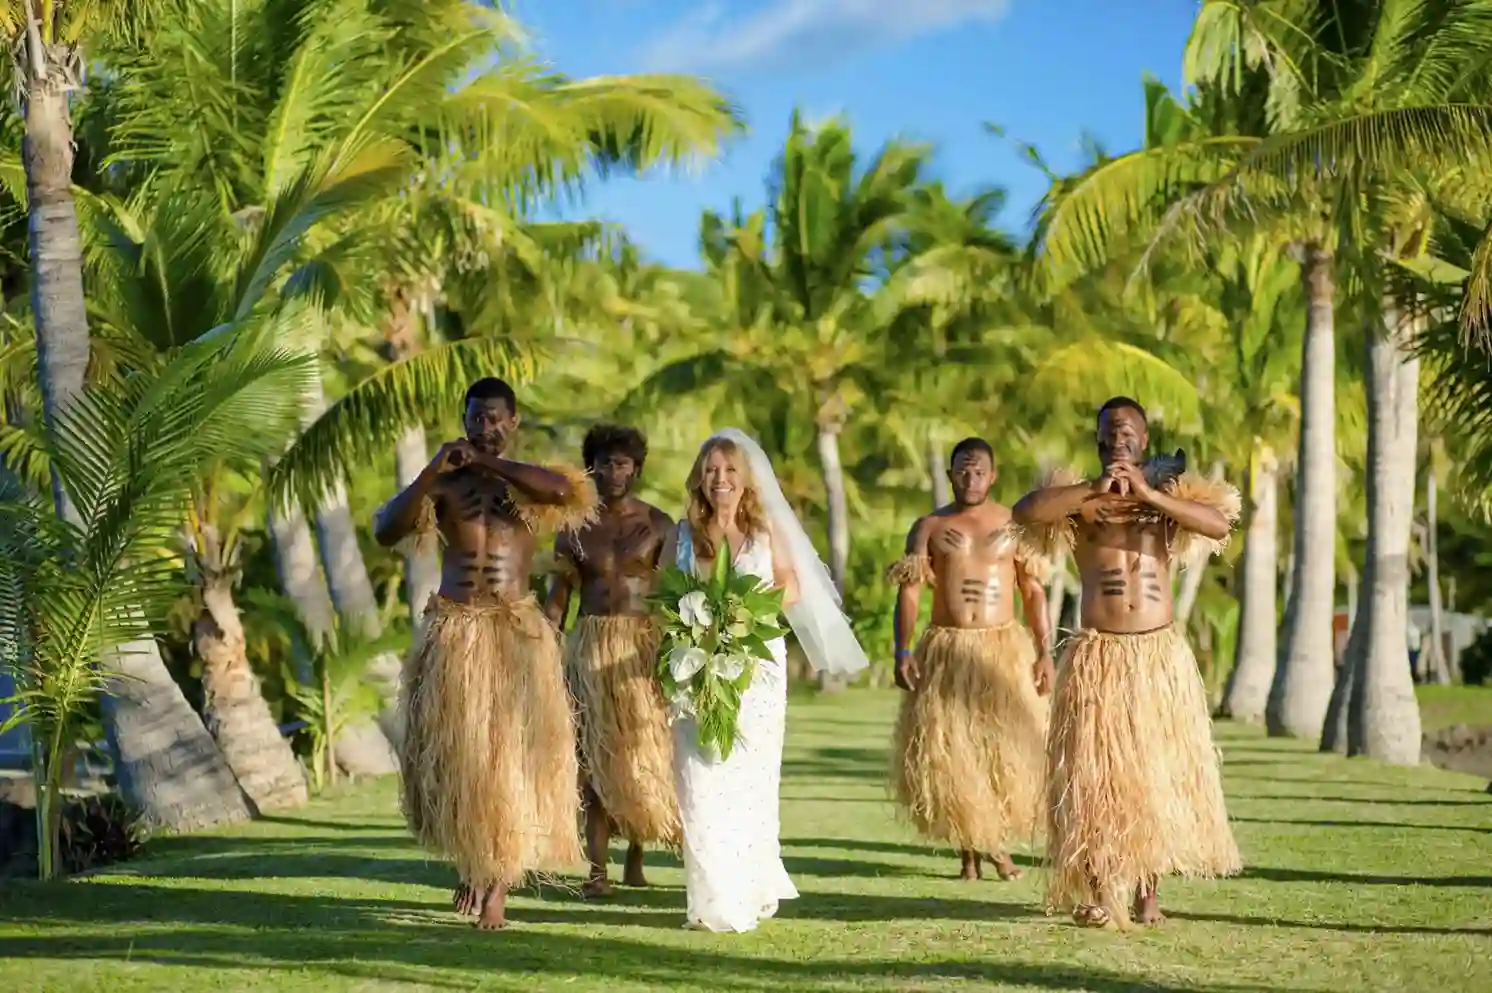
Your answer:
<point x="723" y="565"/>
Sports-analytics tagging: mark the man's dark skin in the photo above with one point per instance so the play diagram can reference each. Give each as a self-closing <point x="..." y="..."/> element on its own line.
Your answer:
<point x="973" y="560"/>
<point x="615" y="564"/>
<point x="1124" y="530"/>
<point x="488" y="551"/>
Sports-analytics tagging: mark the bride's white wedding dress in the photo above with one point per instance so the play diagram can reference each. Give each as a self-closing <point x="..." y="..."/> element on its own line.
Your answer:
<point x="733" y="869"/>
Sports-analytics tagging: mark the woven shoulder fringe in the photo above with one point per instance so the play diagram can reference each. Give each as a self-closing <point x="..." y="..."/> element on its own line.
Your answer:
<point x="424" y="536"/>
<point x="626" y="746"/>
<point x="1134" y="789"/>
<point x="1053" y="542"/>
<point x="582" y="507"/>
<point x="911" y="570"/>
<point x="488" y="761"/>
<point x="1030" y="556"/>
<point x="968" y="763"/>
<point x="1192" y="549"/>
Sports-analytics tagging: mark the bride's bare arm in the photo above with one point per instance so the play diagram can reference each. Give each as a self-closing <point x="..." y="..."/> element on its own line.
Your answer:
<point x="784" y="574"/>
<point x="668" y="555"/>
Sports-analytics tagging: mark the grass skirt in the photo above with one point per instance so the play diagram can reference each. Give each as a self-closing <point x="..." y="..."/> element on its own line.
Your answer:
<point x="488" y="762"/>
<point x="969" y="757"/>
<point x="1133" y="779"/>
<point x="626" y="747"/>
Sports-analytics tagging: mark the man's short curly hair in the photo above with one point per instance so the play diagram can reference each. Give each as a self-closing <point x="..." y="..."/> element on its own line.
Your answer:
<point x="607" y="439"/>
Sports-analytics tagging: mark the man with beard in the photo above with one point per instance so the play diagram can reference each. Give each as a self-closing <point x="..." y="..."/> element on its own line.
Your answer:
<point x="488" y="760"/>
<point x="611" y="660"/>
<point x="1133" y="786"/>
<point x="971" y="736"/>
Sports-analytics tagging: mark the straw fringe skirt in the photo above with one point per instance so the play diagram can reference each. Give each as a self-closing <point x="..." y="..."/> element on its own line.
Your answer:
<point x="626" y="746"/>
<point x="1133" y="779"/>
<point x="488" y="761"/>
<point x="969" y="757"/>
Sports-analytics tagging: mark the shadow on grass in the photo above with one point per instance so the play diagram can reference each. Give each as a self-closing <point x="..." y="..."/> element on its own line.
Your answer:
<point x="1312" y="798"/>
<point x="1323" y="778"/>
<point x="525" y="958"/>
<point x="393" y="824"/>
<point x="139" y="903"/>
<point x="1277" y="875"/>
<point x="859" y="845"/>
<point x="1391" y="825"/>
<point x="1350" y="928"/>
<point x="837" y="763"/>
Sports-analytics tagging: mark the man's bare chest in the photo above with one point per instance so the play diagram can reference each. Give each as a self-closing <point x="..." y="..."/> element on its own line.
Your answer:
<point x="625" y="546"/>
<point x="972" y="544"/>
<point x="474" y="498"/>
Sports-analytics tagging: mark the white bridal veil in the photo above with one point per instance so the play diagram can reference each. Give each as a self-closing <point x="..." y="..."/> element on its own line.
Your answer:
<point x="816" y="618"/>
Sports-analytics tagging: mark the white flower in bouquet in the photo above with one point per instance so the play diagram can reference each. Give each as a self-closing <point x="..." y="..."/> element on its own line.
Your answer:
<point x="684" y="661"/>
<point x="681" y="707"/>
<point x="694" y="610"/>
<point x="728" y="667"/>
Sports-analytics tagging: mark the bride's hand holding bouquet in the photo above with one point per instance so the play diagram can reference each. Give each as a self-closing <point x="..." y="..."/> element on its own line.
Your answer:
<point x="715" y="632"/>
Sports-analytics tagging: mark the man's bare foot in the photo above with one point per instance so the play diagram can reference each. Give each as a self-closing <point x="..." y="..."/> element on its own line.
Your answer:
<point x="1147" y="906"/>
<point x="1091" y="915"/>
<point x="1006" y="868"/>
<point x="633" y="875"/>
<point x="970" y="868"/>
<point x="597" y="888"/>
<point x="494" y="910"/>
<point x="466" y="900"/>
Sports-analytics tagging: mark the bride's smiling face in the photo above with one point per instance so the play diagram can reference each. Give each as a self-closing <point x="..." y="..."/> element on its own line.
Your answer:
<point x="722" y="480"/>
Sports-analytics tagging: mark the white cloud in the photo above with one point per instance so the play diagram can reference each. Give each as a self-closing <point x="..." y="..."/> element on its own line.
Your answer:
<point x="787" y="34"/>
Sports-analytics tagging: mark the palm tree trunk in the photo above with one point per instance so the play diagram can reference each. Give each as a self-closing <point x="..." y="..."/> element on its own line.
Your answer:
<point x="352" y="591"/>
<point x="839" y="511"/>
<point x="1056" y="590"/>
<point x="361" y="749"/>
<point x="167" y="764"/>
<point x="1334" y="727"/>
<point x="839" y="523"/>
<point x="1434" y="658"/>
<point x="1352" y="583"/>
<point x="1383" y="715"/>
<point x="233" y="705"/>
<point x="401" y="340"/>
<point x="57" y="301"/>
<point x="1247" y="693"/>
<point x="300" y="578"/>
<point x="937" y="472"/>
<point x="421" y="562"/>
<point x="1302" y="686"/>
<point x="346" y="571"/>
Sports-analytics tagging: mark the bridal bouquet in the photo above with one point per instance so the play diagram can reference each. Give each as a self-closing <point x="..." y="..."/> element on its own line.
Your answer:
<point x="714" y="632"/>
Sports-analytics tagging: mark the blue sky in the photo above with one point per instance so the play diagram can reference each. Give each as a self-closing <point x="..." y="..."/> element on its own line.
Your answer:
<point x="927" y="70"/>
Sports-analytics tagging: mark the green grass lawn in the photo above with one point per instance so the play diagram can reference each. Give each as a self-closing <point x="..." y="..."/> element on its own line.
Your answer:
<point x="1443" y="706"/>
<point x="1361" y="877"/>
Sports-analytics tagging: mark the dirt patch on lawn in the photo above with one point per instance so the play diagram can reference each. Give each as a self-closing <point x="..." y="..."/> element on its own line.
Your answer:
<point x="1461" y="748"/>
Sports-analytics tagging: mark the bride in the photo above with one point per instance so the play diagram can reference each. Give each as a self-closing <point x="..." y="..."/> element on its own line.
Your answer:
<point x="733" y="869"/>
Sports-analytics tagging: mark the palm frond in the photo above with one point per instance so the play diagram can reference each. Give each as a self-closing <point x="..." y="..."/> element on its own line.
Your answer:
<point x="425" y="388"/>
<point x="1089" y="372"/>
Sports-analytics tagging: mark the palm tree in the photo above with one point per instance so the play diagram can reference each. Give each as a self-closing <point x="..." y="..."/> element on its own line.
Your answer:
<point x="171" y="275"/>
<point x="49" y="41"/>
<point x="1396" y="70"/>
<point x="129" y="453"/>
<point x="516" y="134"/>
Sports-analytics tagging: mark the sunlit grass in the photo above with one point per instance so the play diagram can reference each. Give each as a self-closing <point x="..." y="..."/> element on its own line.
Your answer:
<point x="1443" y="706"/>
<point x="1361" y="877"/>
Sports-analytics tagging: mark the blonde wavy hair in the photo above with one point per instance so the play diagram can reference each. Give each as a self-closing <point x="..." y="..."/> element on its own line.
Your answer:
<point x="750" y="517"/>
